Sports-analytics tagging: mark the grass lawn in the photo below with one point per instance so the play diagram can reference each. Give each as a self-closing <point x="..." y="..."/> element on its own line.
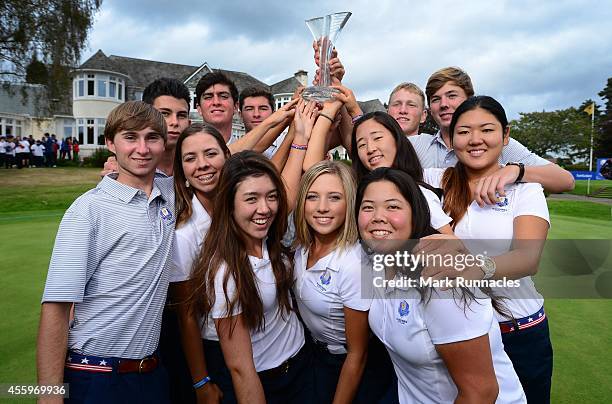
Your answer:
<point x="33" y="202"/>
<point x="581" y="186"/>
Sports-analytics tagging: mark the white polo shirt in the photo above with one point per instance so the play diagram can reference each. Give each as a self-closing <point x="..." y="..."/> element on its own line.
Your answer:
<point x="438" y="217"/>
<point x="187" y="245"/>
<point x="410" y="329"/>
<point x="323" y="290"/>
<point x="281" y="337"/>
<point x="25" y="147"/>
<point x="38" y="150"/>
<point x="489" y="230"/>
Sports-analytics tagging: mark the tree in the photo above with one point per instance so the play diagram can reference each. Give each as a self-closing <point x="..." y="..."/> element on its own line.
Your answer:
<point x="52" y="31"/>
<point x="564" y="133"/>
<point x="37" y="72"/>
<point x="603" y="143"/>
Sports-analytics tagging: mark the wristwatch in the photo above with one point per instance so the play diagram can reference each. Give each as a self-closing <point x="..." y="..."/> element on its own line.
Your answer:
<point x="521" y="167"/>
<point x="488" y="267"/>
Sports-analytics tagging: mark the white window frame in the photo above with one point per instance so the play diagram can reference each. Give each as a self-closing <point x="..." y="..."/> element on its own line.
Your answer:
<point x="102" y="82"/>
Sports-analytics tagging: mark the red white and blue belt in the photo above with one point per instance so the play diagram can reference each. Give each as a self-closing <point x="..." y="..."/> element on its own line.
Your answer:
<point x="522" y="323"/>
<point x="98" y="364"/>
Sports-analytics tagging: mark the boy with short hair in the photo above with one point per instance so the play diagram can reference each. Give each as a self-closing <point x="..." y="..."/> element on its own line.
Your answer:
<point x="446" y="89"/>
<point x="407" y="107"/>
<point x="111" y="260"/>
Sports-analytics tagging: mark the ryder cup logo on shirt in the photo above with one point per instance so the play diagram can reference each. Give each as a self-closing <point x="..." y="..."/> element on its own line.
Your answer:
<point x="325" y="278"/>
<point x="403" y="310"/>
<point x="324" y="281"/>
<point x="502" y="203"/>
<point x="165" y="213"/>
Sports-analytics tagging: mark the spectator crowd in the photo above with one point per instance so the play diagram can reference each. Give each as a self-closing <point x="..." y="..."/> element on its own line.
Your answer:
<point x="26" y="152"/>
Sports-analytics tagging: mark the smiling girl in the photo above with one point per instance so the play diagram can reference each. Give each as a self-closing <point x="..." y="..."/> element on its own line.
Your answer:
<point x="510" y="232"/>
<point x="328" y="289"/>
<point x="445" y="344"/>
<point x="200" y="155"/>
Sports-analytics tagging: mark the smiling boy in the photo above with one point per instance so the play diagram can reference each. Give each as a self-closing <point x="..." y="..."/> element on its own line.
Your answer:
<point x="110" y="260"/>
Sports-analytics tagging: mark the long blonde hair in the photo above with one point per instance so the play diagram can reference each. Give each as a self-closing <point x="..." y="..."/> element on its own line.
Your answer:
<point x="303" y="232"/>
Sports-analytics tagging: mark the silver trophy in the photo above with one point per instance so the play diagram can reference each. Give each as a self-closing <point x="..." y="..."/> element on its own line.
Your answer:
<point x="325" y="30"/>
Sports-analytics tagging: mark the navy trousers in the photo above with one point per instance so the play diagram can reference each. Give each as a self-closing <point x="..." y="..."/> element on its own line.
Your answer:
<point x="531" y="353"/>
<point x="121" y="388"/>
<point x="378" y="383"/>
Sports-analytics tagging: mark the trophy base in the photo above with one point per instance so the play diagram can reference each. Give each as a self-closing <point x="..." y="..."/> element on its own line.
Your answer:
<point x="318" y="93"/>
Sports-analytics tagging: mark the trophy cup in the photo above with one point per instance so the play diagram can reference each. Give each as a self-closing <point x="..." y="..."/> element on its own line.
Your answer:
<point x="325" y="30"/>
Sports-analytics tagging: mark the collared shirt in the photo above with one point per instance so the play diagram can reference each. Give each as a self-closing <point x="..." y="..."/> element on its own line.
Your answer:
<point x="24" y="146"/>
<point x="111" y="258"/>
<point x="38" y="150"/>
<point x="433" y="153"/>
<point x="187" y="245"/>
<point x="323" y="290"/>
<point x="9" y="148"/>
<point x="269" y="152"/>
<point x="489" y="230"/>
<point x="283" y="335"/>
<point x="437" y="218"/>
<point x="411" y="327"/>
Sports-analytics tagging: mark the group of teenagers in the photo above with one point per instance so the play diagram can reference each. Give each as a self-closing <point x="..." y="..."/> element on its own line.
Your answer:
<point x="264" y="259"/>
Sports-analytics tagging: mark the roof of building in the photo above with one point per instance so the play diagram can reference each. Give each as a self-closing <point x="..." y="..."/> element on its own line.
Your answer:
<point x="99" y="61"/>
<point x="142" y="72"/>
<point x="31" y="99"/>
<point x="285" y="86"/>
<point x="371" y="106"/>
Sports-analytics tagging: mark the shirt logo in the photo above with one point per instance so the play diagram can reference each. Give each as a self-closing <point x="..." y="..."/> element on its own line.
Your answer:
<point x="501" y="201"/>
<point x="325" y="278"/>
<point x="501" y="205"/>
<point x="403" y="309"/>
<point x="165" y="213"/>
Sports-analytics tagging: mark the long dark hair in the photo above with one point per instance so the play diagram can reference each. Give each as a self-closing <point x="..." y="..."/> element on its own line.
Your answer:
<point x="406" y="158"/>
<point x="409" y="189"/>
<point x="183" y="194"/>
<point x="455" y="182"/>
<point x="225" y="245"/>
<point x="421" y="227"/>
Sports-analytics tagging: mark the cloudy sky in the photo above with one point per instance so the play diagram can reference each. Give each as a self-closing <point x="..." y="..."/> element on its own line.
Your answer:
<point x="530" y="55"/>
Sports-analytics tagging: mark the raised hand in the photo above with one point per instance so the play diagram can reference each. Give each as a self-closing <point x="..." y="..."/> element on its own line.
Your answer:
<point x="336" y="69"/>
<point x="305" y="117"/>
<point x="347" y="97"/>
<point x="286" y="112"/>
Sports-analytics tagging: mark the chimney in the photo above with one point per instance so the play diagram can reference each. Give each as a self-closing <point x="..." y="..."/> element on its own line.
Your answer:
<point x="302" y="77"/>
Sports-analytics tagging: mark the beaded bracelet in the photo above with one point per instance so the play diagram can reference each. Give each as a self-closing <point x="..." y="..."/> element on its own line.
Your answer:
<point x="299" y="146"/>
<point x="356" y="118"/>
<point x="201" y="383"/>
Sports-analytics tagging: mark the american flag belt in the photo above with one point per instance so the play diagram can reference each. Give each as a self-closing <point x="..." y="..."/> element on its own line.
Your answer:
<point x="98" y="364"/>
<point x="522" y="323"/>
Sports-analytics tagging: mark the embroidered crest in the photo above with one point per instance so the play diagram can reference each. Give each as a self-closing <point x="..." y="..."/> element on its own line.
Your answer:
<point x="501" y="200"/>
<point x="165" y="213"/>
<point x="404" y="308"/>
<point x="325" y="278"/>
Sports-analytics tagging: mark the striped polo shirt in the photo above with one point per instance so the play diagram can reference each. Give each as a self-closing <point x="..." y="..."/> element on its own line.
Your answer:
<point x="433" y="153"/>
<point x="112" y="258"/>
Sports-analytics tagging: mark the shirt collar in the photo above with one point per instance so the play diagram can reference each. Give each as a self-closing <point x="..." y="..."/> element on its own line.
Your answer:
<point x="123" y="192"/>
<point x="437" y="138"/>
<point x="258" y="263"/>
<point x="160" y="174"/>
<point x="201" y="218"/>
<point x="329" y="261"/>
